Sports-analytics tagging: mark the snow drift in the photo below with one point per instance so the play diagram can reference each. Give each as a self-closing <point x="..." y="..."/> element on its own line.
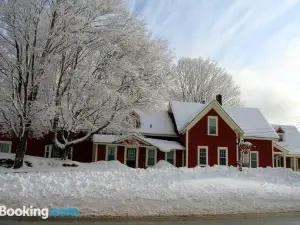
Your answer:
<point x="112" y="189"/>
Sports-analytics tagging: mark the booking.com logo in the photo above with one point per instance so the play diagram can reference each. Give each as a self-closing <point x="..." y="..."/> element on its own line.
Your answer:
<point x="44" y="213"/>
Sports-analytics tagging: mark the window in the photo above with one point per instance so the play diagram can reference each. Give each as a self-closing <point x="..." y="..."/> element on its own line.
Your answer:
<point x="254" y="159"/>
<point x="5" y="146"/>
<point x="281" y="135"/>
<point x="51" y="152"/>
<point x="212" y="125"/>
<point x="222" y="156"/>
<point x="55" y="152"/>
<point x="170" y="157"/>
<point x="151" y="157"/>
<point x="111" y="153"/>
<point x="202" y="156"/>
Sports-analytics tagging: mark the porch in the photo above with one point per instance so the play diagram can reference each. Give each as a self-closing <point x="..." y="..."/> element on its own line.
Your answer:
<point x="289" y="160"/>
<point x="137" y="152"/>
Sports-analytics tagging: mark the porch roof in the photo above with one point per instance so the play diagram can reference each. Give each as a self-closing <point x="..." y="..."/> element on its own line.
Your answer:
<point x="163" y="145"/>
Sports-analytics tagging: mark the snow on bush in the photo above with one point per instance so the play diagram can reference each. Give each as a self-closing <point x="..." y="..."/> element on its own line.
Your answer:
<point x="116" y="190"/>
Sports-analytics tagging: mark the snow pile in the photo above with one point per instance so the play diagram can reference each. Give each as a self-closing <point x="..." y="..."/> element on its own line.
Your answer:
<point x="123" y="191"/>
<point x="162" y="164"/>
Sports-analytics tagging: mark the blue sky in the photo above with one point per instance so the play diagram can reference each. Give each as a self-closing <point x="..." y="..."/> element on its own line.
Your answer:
<point x="257" y="41"/>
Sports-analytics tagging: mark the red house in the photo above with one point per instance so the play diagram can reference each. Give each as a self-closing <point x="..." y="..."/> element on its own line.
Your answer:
<point x="187" y="134"/>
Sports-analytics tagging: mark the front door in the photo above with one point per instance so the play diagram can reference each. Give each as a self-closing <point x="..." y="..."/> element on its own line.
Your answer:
<point x="131" y="157"/>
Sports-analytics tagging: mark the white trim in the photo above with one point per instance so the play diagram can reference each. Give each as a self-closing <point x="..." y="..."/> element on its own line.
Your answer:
<point x="50" y="151"/>
<point x="9" y="143"/>
<point x="221" y="112"/>
<point x="226" y="149"/>
<point x="260" y="138"/>
<point x="96" y="152"/>
<point x="187" y="149"/>
<point x="273" y="154"/>
<point x="71" y="152"/>
<point x="276" y="145"/>
<point x="237" y="146"/>
<point x="284" y="160"/>
<point x="155" y="155"/>
<point x="212" y="117"/>
<point x="198" y="154"/>
<point x="106" y="151"/>
<point x="257" y="158"/>
<point x="136" y="154"/>
<point x="174" y="157"/>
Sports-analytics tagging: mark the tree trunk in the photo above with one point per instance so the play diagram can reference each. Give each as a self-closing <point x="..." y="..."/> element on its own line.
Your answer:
<point x="20" y="151"/>
<point x="65" y="152"/>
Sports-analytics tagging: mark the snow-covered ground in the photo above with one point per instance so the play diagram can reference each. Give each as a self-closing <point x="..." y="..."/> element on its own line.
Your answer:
<point x="112" y="189"/>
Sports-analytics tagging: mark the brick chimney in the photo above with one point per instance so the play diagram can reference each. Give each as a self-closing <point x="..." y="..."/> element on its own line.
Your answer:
<point x="219" y="99"/>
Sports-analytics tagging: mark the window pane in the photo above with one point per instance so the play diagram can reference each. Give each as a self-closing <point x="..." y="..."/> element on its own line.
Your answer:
<point x="151" y="162"/>
<point x="55" y="152"/>
<point x="4" y="147"/>
<point x="222" y="157"/>
<point x="202" y="155"/>
<point x="131" y="153"/>
<point x="254" y="163"/>
<point x="212" y="122"/>
<point x="151" y="153"/>
<point x="110" y="157"/>
<point x="171" y="161"/>
<point x="170" y="155"/>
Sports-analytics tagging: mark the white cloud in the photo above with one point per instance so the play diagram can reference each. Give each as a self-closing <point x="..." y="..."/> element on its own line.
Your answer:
<point x="276" y="91"/>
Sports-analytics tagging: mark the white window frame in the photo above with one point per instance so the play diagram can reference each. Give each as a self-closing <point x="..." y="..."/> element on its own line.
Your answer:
<point x="136" y="155"/>
<point x="257" y="158"/>
<point x="50" y="152"/>
<point x="106" y="151"/>
<point x="155" y="155"/>
<point x="9" y="143"/>
<point x="281" y="135"/>
<point x="198" y="158"/>
<point x="226" y="149"/>
<point x="208" y="119"/>
<point x="174" y="158"/>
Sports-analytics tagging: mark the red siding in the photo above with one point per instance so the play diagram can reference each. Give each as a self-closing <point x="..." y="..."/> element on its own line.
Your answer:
<point x="36" y="147"/>
<point x="178" y="158"/>
<point x="82" y="152"/>
<point x="264" y="148"/>
<point x="276" y="149"/>
<point x="160" y="155"/>
<point x="101" y="152"/>
<point x="120" y="153"/>
<point x="142" y="157"/>
<point x="198" y="137"/>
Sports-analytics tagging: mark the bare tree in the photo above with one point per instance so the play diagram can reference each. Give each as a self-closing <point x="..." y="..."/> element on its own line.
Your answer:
<point x="74" y="66"/>
<point x="198" y="79"/>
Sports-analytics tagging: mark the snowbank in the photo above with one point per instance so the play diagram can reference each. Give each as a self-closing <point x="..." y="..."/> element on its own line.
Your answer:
<point x="117" y="190"/>
<point x="162" y="164"/>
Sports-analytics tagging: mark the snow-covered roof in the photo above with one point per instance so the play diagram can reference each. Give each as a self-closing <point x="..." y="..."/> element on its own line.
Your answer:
<point x="250" y="120"/>
<point x="291" y="139"/>
<point x="106" y="138"/>
<point x="159" y="123"/>
<point x="163" y="145"/>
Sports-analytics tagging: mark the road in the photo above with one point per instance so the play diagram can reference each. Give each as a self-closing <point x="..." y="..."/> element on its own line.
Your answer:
<point x="283" y="220"/>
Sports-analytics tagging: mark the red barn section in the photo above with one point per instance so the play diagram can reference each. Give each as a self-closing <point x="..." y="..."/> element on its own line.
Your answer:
<point x="197" y="136"/>
<point x="264" y="149"/>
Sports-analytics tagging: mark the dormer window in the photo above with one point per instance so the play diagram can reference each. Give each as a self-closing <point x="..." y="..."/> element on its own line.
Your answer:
<point x="134" y="120"/>
<point x="280" y="133"/>
<point x="281" y="137"/>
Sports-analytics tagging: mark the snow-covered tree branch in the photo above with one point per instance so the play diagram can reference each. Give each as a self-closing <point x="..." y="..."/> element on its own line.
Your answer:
<point x="198" y="79"/>
<point x="70" y="67"/>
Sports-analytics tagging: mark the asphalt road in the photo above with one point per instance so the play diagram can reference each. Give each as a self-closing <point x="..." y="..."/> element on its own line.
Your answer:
<point x="283" y="220"/>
